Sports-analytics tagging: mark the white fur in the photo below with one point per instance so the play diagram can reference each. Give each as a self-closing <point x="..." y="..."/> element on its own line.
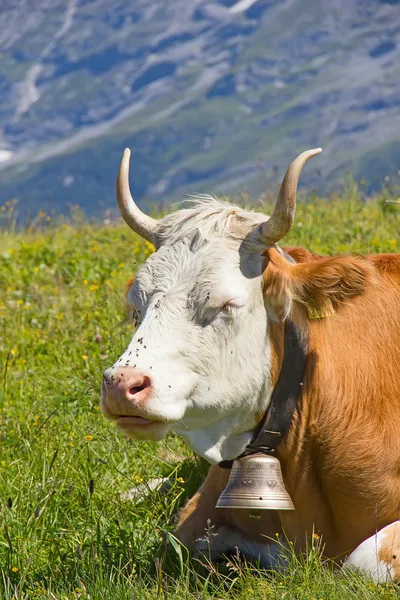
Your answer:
<point x="365" y="557"/>
<point x="209" y="365"/>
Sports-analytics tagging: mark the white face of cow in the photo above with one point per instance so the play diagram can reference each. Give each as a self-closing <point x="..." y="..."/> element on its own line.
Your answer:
<point x="199" y="362"/>
<point x="200" y="354"/>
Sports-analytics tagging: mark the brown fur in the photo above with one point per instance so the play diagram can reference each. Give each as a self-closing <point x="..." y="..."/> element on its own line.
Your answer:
<point x="323" y="284"/>
<point x="341" y="458"/>
<point x="128" y="285"/>
<point x="389" y="551"/>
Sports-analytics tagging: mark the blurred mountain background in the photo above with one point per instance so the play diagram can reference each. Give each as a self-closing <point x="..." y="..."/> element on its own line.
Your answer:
<point x="210" y="96"/>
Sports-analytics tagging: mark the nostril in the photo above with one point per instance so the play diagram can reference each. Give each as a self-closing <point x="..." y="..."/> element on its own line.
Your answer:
<point x="135" y="389"/>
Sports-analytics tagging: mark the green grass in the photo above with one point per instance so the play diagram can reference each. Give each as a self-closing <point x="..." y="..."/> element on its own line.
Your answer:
<point x="66" y="530"/>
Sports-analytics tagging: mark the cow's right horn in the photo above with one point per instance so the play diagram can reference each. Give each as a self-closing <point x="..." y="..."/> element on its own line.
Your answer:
<point x="281" y="220"/>
<point x="140" y="223"/>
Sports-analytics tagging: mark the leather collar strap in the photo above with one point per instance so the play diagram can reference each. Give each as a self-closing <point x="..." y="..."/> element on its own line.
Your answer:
<point x="279" y="414"/>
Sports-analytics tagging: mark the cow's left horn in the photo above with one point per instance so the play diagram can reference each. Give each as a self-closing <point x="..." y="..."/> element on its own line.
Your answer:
<point x="140" y="223"/>
<point x="281" y="220"/>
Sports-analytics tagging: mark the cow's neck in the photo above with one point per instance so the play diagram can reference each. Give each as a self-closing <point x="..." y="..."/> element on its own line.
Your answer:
<point x="277" y="419"/>
<point x="227" y="436"/>
<point x="342" y="447"/>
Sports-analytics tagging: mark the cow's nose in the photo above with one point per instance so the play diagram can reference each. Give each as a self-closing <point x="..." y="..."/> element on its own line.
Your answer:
<point x="126" y="385"/>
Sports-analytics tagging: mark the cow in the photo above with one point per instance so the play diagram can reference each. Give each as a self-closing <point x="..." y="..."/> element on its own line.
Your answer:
<point x="210" y="307"/>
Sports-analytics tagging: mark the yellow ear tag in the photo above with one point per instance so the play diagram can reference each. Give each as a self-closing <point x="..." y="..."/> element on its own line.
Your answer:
<point x="315" y="313"/>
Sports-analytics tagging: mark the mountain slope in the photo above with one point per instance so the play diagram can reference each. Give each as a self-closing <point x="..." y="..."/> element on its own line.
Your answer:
<point x="209" y="95"/>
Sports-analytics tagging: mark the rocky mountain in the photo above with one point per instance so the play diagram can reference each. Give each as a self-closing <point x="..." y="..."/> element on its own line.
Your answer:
<point x="209" y="95"/>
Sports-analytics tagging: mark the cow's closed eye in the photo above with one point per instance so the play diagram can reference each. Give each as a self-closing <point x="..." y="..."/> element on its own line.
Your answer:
<point x="231" y="306"/>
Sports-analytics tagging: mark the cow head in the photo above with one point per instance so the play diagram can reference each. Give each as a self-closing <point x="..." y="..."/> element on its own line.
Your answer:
<point x="200" y="360"/>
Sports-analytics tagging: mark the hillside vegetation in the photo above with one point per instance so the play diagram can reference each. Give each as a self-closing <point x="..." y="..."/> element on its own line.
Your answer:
<point x="208" y="95"/>
<point x="68" y="528"/>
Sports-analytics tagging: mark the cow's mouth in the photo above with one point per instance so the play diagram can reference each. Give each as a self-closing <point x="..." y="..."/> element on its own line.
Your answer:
<point x="125" y="422"/>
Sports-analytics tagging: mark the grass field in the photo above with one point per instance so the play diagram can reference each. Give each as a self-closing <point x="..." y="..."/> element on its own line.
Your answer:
<point x="67" y="528"/>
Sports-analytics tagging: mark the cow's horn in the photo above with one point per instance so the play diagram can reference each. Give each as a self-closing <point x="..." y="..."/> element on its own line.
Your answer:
<point x="281" y="220"/>
<point x="140" y="223"/>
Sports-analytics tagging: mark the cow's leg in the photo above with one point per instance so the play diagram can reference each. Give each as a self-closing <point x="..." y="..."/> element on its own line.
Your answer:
<point x="216" y="532"/>
<point x="200" y="513"/>
<point x="379" y="555"/>
<point x="226" y="542"/>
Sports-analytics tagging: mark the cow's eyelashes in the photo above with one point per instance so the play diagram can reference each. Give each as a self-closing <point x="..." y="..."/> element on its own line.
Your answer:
<point x="231" y="306"/>
<point x="228" y="308"/>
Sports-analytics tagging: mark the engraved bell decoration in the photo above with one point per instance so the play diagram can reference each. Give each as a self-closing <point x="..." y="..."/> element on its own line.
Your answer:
<point x="256" y="482"/>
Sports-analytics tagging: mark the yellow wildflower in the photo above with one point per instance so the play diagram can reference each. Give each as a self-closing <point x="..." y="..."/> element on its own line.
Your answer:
<point x="85" y="282"/>
<point x="121" y="265"/>
<point x="93" y="287"/>
<point x="13" y="352"/>
<point x="88" y="438"/>
<point x="85" y="356"/>
<point x="19" y="302"/>
<point x="315" y="536"/>
<point x="15" y="569"/>
<point x="150" y="246"/>
<point x="180" y="480"/>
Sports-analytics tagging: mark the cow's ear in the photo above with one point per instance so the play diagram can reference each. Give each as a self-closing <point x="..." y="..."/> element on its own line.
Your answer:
<point x="128" y="285"/>
<point x="321" y="285"/>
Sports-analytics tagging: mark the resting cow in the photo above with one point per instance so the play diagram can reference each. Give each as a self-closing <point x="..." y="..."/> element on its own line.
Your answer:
<point x="210" y="308"/>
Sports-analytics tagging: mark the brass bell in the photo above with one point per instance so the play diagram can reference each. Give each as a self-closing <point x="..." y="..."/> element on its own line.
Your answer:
<point x="256" y="482"/>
